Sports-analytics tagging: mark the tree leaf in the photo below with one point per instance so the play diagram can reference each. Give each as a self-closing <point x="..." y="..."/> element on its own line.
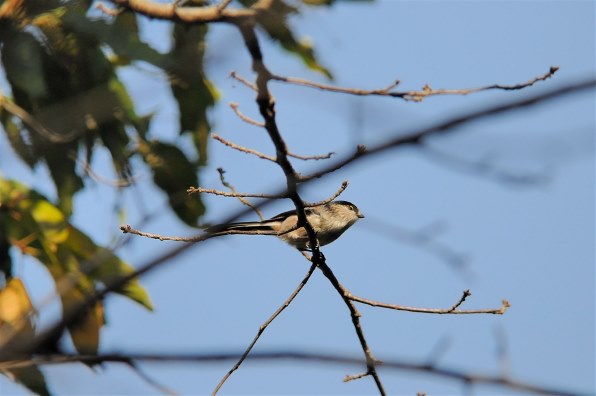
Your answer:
<point x="16" y="332"/>
<point x="37" y="227"/>
<point x="105" y="266"/>
<point x="274" y="20"/>
<point x="31" y="377"/>
<point x="174" y="173"/>
<point x="16" y="316"/>
<point x="190" y="87"/>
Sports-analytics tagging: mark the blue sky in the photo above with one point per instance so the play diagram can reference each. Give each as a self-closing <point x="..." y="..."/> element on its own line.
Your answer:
<point x="531" y="244"/>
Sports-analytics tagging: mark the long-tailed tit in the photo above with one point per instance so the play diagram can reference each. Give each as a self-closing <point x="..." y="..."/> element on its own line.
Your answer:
<point x="329" y="221"/>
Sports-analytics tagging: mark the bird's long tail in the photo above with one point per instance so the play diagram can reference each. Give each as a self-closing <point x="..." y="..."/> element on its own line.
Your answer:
<point x="249" y="227"/>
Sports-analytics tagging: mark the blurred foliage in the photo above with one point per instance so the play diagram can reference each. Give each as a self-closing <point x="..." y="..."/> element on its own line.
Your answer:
<point x="29" y="222"/>
<point x="66" y="101"/>
<point x="16" y="330"/>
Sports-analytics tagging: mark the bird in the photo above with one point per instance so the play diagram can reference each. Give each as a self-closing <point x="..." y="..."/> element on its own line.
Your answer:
<point x="329" y="221"/>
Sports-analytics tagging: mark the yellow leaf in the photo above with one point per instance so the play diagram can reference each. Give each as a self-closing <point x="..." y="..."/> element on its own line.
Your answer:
<point x="50" y="220"/>
<point x="16" y="326"/>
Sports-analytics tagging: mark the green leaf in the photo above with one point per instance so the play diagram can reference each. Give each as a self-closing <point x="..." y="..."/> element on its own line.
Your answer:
<point x="106" y="266"/>
<point x="174" y="173"/>
<point x="14" y="134"/>
<point x="121" y="35"/>
<point x="21" y="57"/>
<point x="30" y="377"/>
<point x="274" y="21"/>
<point x="193" y="92"/>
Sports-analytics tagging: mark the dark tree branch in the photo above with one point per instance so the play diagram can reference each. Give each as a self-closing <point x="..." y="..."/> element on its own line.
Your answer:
<point x="13" y="361"/>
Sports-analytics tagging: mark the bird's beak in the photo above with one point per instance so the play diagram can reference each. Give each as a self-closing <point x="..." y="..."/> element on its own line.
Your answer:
<point x="360" y="215"/>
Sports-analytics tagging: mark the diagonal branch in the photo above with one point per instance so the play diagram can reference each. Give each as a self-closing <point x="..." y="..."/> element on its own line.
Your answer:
<point x="264" y="326"/>
<point x="417" y="136"/>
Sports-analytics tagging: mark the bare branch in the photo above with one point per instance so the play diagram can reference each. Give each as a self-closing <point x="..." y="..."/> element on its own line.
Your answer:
<point x="452" y="310"/>
<point x="311" y="157"/>
<point x="245" y="118"/>
<point x="353" y="377"/>
<point x="241" y="199"/>
<point x="416" y="96"/>
<point x="244" y="81"/>
<point x="341" y="189"/>
<point x="264" y="326"/>
<point x="242" y="148"/>
<point x="127" y="229"/>
<point x="199" y="190"/>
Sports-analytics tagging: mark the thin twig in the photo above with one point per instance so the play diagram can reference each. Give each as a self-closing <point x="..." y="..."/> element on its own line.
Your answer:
<point x="341" y="189"/>
<point x="242" y="148"/>
<point x="121" y="182"/>
<point x="200" y="190"/>
<point x="245" y="201"/>
<point x="311" y="157"/>
<point x="353" y="377"/>
<point x="452" y="310"/>
<point x="127" y="229"/>
<point x="416" y="96"/>
<point x="264" y="326"/>
<point x="244" y="117"/>
<point x="331" y="88"/>
<point x="244" y="81"/>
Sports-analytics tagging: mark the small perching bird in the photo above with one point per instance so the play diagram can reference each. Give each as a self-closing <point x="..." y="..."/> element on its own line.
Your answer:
<point x="328" y="221"/>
